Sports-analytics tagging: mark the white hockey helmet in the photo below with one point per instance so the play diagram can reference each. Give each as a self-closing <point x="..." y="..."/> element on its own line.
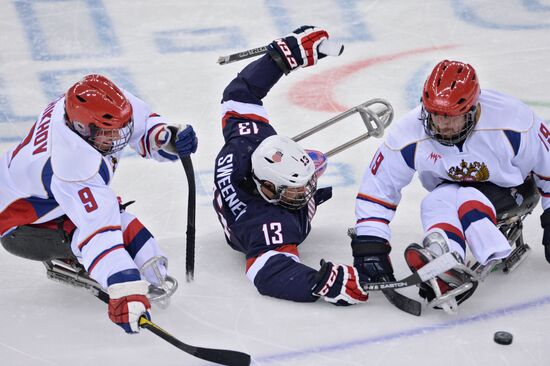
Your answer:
<point x="283" y="172"/>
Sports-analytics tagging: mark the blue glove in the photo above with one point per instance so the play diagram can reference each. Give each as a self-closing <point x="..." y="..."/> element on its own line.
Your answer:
<point x="298" y="49"/>
<point x="184" y="139"/>
<point x="371" y="258"/>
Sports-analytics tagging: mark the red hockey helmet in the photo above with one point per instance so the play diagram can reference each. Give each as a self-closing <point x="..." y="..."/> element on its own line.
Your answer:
<point x="98" y="111"/>
<point x="451" y="90"/>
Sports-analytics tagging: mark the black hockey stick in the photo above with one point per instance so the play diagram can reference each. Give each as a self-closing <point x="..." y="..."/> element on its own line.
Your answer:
<point x="243" y="55"/>
<point x="326" y="47"/>
<point x="219" y="356"/>
<point x="191" y="208"/>
<point x="403" y="302"/>
<point x="432" y="269"/>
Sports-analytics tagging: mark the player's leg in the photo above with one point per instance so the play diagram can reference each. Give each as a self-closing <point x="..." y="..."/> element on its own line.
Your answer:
<point x="443" y="233"/>
<point x="512" y="205"/>
<point x="149" y="258"/>
<point x="478" y="218"/>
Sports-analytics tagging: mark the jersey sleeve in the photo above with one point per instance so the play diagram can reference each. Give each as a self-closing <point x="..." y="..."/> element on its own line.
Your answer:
<point x="242" y="98"/>
<point x="273" y="264"/>
<point x="380" y="191"/>
<point x="93" y="207"/>
<point x="145" y="123"/>
<point x="536" y="149"/>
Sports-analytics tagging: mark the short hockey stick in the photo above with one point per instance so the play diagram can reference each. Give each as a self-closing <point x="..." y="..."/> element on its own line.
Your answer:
<point x="327" y="47"/>
<point x="191" y="209"/>
<point x="219" y="356"/>
<point x="432" y="269"/>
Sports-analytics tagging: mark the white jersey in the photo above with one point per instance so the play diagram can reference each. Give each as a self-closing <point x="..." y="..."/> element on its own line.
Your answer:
<point x="508" y="143"/>
<point x="54" y="172"/>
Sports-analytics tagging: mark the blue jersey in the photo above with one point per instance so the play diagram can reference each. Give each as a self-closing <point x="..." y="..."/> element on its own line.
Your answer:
<point x="267" y="234"/>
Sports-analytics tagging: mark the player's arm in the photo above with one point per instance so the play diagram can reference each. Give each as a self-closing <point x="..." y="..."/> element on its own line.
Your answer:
<point x="537" y="149"/>
<point x="380" y="191"/>
<point x="243" y="96"/>
<point x="279" y="273"/>
<point x="274" y="266"/>
<point x="154" y="137"/>
<point x="375" y="206"/>
<point x="94" y="209"/>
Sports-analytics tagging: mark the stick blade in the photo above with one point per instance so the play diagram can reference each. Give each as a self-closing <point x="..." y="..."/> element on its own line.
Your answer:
<point x="403" y="303"/>
<point x="223" y="357"/>
<point x="222" y="60"/>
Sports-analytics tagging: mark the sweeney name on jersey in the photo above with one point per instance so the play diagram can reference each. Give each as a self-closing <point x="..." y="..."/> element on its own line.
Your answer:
<point x="224" y="169"/>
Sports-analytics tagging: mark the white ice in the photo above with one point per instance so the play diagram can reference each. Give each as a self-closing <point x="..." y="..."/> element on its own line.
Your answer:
<point x="166" y="52"/>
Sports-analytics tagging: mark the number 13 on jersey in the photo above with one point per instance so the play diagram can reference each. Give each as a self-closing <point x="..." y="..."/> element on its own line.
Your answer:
<point x="273" y="233"/>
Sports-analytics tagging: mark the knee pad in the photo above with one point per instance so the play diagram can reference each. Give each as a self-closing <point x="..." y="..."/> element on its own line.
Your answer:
<point x="39" y="244"/>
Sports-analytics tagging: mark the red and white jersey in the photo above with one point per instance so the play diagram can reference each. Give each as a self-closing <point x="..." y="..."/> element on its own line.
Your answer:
<point x="508" y="143"/>
<point x="53" y="172"/>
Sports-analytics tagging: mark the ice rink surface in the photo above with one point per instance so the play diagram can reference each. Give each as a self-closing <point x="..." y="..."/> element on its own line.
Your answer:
<point x="166" y="52"/>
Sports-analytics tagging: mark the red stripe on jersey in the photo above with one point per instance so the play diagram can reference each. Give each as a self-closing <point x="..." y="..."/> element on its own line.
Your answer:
<point x="250" y="116"/>
<point x="131" y="231"/>
<point x="18" y="213"/>
<point x="102" y="255"/>
<point x="542" y="177"/>
<point x="388" y="205"/>
<point x="23" y="143"/>
<point x="543" y="143"/>
<point x="287" y="248"/>
<point x="479" y="206"/>
<point x="450" y="228"/>
<point x="374" y="219"/>
<point x="68" y="225"/>
<point x="99" y="231"/>
<point x="142" y="145"/>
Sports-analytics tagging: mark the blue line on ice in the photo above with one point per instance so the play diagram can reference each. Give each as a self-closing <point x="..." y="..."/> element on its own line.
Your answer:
<point x="497" y="313"/>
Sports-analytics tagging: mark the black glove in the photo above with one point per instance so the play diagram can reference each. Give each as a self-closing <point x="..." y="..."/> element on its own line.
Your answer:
<point x="545" y="223"/>
<point x="371" y="258"/>
<point x="298" y="49"/>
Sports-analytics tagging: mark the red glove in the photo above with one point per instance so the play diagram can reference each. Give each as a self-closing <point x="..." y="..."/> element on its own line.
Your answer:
<point x="339" y="284"/>
<point x="128" y="302"/>
<point x="298" y="49"/>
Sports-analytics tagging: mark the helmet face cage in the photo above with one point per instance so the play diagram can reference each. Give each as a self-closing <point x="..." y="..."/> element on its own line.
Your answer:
<point x="433" y="132"/>
<point x="109" y="141"/>
<point x="293" y="198"/>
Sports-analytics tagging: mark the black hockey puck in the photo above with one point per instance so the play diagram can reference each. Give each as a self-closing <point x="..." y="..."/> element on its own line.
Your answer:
<point x="503" y="337"/>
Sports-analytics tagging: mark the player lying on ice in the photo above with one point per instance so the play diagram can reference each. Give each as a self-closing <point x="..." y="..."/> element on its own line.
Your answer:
<point x="55" y="201"/>
<point x="479" y="153"/>
<point x="265" y="184"/>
